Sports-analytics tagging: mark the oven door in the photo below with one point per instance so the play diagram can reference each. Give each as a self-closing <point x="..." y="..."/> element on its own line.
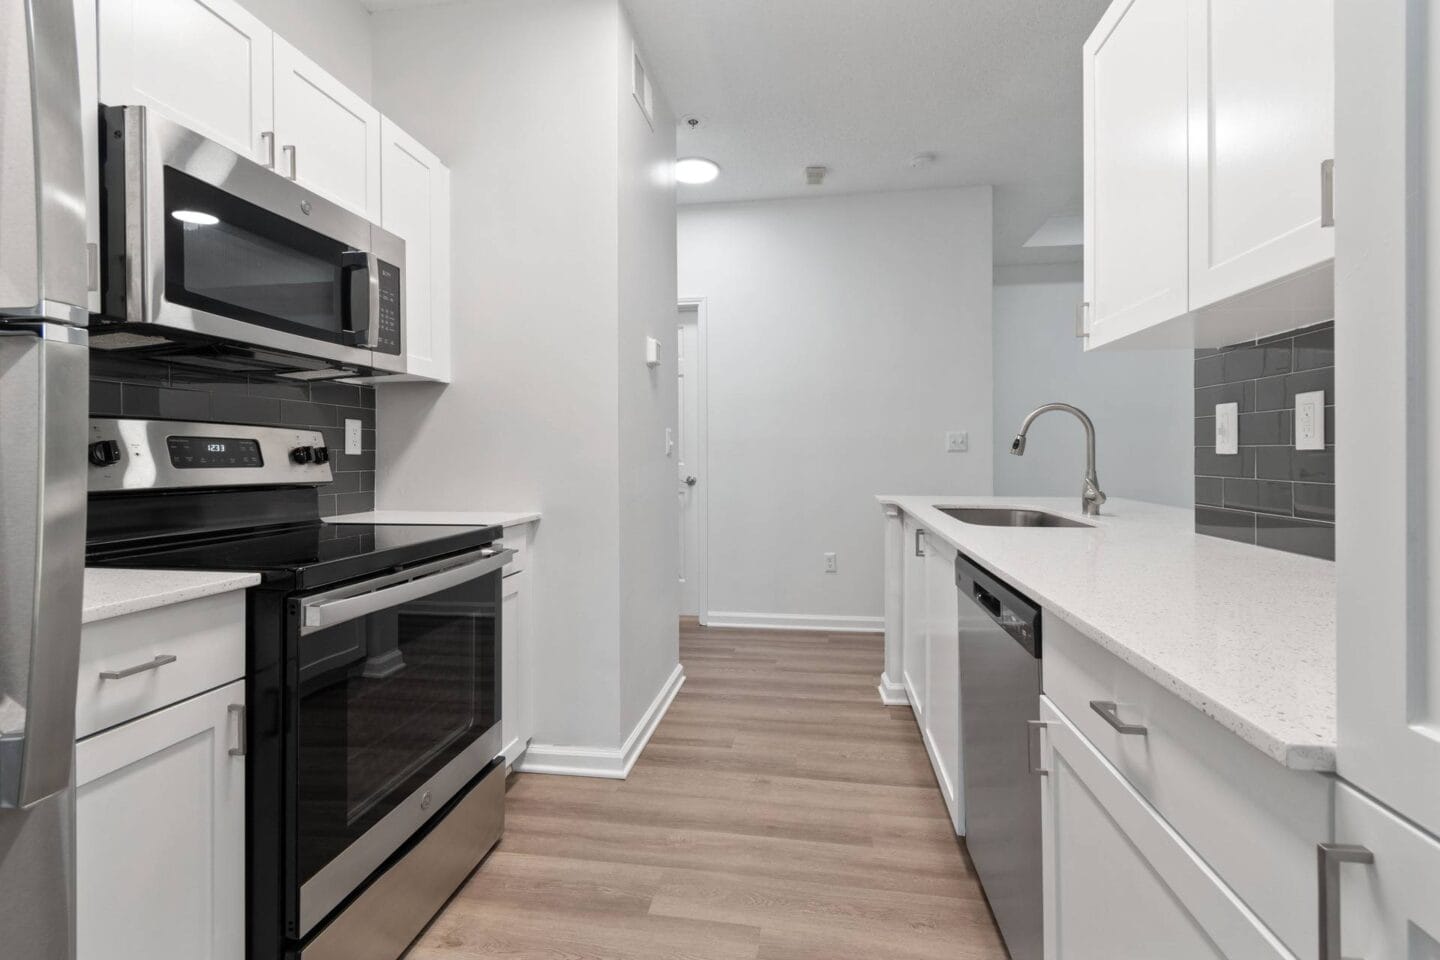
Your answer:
<point x="393" y="696"/>
<point x="220" y="246"/>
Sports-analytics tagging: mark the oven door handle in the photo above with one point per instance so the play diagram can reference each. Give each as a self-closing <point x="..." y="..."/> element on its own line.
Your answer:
<point x="320" y="613"/>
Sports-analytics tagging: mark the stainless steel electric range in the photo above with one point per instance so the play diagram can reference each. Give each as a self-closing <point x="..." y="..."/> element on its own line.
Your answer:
<point x="374" y="785"/>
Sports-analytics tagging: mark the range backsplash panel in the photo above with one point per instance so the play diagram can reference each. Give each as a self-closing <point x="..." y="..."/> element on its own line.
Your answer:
<point x="158" y="390"/>
<point x="1269" y="493"/>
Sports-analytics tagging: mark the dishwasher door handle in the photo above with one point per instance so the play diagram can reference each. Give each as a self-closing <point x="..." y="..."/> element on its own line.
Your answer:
<point x="1109" y="710"/>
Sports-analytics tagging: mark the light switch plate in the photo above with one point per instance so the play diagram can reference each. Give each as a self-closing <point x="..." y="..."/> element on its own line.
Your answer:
<point x="957" y="441"/>
<point x="353" y="441"/>
<point x="652" y="352"/>
<point x="1227" y="428"/>
<point x="1310" y="420"/>
<point x="830" y="564"/>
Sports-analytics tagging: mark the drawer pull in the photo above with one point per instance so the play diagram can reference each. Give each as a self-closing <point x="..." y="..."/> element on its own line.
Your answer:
<point x="237" y="711"/>
<point x="1110" y="712"/>
<point x="1032" y="744"/>
<point x="1331" y="856"/>
<point x="155" y="664"/>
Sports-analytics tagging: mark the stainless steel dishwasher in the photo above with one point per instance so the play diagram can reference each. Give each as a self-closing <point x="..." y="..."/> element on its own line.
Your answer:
<point x="999" y="695"/>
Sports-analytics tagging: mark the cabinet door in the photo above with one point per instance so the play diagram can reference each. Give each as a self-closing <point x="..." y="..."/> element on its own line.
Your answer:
<point x="415" y="206"/>
<point x="160" y="834"/>
<point x="915" y="618"/>
<point x="1387" y="269"/>
<point x="515" y="669"/>
<point x="942" y="671"/>
<point x="1262" y="118"/>
<point x="204" y="63"/>
<point x="1135" y="114"/>
<point x="1389" y="908"/>
<point x="1118" y="881"/>
<point x="328" y="136"/>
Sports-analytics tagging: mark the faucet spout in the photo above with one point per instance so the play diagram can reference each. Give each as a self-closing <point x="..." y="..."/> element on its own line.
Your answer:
<point x="1091" y="496"/>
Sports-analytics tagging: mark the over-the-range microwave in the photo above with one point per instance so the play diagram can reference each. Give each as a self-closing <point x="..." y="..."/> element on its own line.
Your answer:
<point x="210" y="259"/>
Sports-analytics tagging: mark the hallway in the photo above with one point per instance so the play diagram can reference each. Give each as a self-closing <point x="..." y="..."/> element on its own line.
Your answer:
<point x="780" y="812"/>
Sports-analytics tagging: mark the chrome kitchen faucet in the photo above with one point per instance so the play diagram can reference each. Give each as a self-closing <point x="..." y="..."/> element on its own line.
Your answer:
<point x="1091" y="496"/>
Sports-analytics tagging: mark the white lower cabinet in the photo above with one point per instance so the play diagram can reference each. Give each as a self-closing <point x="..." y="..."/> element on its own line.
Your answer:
<point x="1119" y="882"/>
<point x="942" y="640"/>
<point x="1389" y="907"/>
<point x="517" y="656"/>
<point x="913" y="616"/>
<point x="160" y="834"/>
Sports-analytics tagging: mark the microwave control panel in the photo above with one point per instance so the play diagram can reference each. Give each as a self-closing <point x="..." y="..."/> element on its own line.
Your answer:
<point x="387" y="324"/>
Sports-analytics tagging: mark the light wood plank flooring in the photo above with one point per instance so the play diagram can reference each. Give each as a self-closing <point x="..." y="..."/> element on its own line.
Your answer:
<point x="779" y="813"/>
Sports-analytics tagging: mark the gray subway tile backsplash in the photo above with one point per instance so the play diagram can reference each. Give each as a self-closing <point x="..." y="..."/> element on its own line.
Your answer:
<point x="1268" y="493"/>
<point x="153" y="390"/>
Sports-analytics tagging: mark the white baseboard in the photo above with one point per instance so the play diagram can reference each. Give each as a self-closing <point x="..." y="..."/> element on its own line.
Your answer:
<point x="892" y="694"/>
<point x="607" y="763"/>
<point x="725" y="619"/>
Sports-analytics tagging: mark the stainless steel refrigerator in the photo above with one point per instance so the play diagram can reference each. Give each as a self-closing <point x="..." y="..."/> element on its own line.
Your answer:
<point x="44" y="386"/>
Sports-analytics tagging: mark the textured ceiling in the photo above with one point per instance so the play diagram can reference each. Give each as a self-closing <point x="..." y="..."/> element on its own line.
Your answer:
<point x="990" y="87"/>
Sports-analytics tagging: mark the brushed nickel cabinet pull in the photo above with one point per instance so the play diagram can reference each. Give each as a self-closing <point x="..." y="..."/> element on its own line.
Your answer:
<point x="155" y="664"/>
<point x="1110" y="711"/>
<point x="1329" y="857"/>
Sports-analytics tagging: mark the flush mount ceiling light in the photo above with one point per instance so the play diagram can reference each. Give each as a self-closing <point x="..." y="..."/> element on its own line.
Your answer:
<point x="198" y="217"/>
<point x="696" y="170"/>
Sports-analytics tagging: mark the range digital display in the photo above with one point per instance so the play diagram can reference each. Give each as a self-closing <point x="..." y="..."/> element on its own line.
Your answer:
<point x="190" y="452"/>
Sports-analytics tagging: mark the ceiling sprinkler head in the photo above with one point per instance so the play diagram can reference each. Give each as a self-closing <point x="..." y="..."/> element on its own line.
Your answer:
<point x="815" y="176"/>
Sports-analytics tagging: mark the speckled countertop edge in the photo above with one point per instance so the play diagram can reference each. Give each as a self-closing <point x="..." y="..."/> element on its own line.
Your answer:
<point x="113" y="592"/>
<point x="1244" y="634"/>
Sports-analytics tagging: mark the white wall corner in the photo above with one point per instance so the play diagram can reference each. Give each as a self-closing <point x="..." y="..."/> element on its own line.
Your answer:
<point x="728" y="619"/>
<point x="605" y="763"/>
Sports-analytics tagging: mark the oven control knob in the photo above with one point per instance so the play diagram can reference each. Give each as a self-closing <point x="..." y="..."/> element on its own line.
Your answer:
<point x="302" y="454"/>
<point x="104" y="452"/>
<point x="322" y="454"/>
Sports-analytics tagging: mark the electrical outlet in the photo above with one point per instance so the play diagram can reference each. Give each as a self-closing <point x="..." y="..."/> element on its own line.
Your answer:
<point x="1310" y="420"/>
<point x="1227" y="428"/>
<point x="830" y="565"/>
<point x="957" y="441"/>
<point x="353" y="441"/>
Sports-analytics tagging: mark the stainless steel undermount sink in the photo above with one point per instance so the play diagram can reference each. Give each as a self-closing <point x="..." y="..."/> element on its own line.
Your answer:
<point x="1009" y="517"/>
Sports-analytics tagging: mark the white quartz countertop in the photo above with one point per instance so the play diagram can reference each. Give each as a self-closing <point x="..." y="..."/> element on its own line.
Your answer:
<point x="114" y="593"/>
<point x="463" y="518"/>
<point x="1243" y="633"/>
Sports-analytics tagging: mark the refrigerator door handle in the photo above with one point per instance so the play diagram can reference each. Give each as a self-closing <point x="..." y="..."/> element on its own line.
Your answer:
<point x="44" y="380"/>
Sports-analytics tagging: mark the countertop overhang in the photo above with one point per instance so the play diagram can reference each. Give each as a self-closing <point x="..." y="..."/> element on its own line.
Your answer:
<point x="1245" y="634"/>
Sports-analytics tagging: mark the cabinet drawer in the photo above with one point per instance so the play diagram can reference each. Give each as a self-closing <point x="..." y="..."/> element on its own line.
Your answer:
<point x="1254" y="822"/>
<point x="206" y="638"/>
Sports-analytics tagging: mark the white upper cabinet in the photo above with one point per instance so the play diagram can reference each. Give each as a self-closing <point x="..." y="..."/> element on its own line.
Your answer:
<point x="1262" y="119"/>
<point x="206" y="64"/>
<point x="1388" y="467"/>
<point x="1135" y="168"/>
<point x="327" y="136"/>
<point x="415" y="205"/>
<point x="1206" y="125"/>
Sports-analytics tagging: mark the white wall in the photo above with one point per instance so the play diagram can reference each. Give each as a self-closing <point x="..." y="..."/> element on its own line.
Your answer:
<point x="334" y="33"/>
<point x="649" y="521"/>
<point x="845" y="336"/>
<point x="519" y="100"/>
<point x="563" y="248"/>
<point x="1141" y="402"/>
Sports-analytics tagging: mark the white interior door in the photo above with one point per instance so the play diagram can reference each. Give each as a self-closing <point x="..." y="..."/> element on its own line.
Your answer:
<point x="687" y="461"/>
<point x="1387" y="274"/>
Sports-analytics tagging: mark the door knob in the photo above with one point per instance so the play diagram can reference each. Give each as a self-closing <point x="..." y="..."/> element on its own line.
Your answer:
<point x="690" y="481"/>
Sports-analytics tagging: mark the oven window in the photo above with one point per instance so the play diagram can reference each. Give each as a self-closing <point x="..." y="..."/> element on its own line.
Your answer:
<point x="229" y="257"/>
<point x="386" y="701"/>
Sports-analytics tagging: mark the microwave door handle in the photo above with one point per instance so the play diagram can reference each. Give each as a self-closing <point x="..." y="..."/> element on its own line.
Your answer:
<point x="320" y="613"/>
<point x="361" y="294"/>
